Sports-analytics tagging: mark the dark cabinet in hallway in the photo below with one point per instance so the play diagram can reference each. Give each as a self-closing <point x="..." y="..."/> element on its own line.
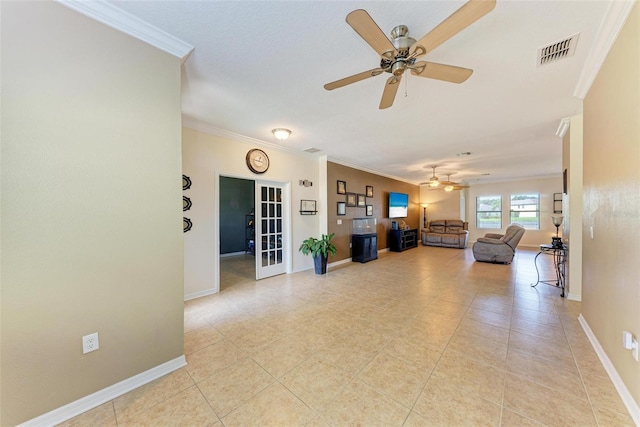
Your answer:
<point x="364" y="247"/>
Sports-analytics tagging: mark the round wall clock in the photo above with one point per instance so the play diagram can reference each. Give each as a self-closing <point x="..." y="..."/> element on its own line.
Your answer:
<point x="257" y="161"/>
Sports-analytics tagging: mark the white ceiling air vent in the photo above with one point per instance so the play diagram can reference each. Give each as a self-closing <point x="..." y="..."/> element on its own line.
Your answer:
<point x="312" y="150"/>
<point x="557" y="50"/>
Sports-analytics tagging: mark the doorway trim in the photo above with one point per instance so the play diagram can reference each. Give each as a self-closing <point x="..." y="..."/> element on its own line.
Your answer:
<point x="216" y="220"/>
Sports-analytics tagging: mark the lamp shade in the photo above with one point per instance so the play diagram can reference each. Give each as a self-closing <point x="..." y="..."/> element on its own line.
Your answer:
<point x="557" y="220"/>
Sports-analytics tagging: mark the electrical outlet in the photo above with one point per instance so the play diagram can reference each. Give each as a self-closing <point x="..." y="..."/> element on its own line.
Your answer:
<point x="90" y="343"/>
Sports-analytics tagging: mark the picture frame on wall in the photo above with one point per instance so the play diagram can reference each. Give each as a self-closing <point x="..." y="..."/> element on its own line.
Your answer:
<point x="369" y="192"/>
<point x="342" y="187"/>
<point x="351" y="199"/>
<point x="362" y="202"/>
<point x="369" y="210"/>
<point x="342" y="208"/>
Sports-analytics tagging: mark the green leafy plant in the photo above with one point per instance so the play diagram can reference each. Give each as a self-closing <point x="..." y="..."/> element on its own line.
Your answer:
<point x="318" y="247"/>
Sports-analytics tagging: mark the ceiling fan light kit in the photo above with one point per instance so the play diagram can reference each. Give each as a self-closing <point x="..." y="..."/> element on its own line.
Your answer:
<point x="433" y="181"/>
<point x="401" y="52"/>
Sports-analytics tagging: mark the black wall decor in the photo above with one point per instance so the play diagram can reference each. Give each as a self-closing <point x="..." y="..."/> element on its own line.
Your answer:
<point x="186" y="203"/>
<point x="186" y="182"/>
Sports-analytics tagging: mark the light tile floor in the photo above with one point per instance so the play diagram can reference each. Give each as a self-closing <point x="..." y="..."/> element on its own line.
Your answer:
<point x="427" y="337"/>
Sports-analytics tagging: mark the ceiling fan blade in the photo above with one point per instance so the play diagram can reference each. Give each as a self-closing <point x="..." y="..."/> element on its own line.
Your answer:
<point x="448" y="73"/>
<point x="353" y="79"/>
<point x="390" y="89"/>
<point x="458" y="21"/>
<point x="367" y="28"/>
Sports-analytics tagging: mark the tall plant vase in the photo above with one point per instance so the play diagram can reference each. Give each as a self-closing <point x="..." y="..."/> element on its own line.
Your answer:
<point x="320" y="264"/>
<point x="319" y="249"/>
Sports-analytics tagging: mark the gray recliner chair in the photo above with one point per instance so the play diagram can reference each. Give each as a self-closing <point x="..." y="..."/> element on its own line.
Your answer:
<point x="498" y="248"/>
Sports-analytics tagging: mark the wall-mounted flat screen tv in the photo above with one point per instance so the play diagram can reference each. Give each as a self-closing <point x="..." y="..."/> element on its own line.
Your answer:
<point x="398" y="205"/>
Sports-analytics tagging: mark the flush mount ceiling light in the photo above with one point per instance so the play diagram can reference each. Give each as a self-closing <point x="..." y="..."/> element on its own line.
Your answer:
<point x="463" y="154"/>
<point x="281" y="133"/>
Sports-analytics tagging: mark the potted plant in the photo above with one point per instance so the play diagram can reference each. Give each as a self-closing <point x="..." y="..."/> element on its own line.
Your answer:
<point x="319" y="250"/>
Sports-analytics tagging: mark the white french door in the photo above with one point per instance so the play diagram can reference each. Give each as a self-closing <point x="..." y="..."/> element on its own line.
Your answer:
<point x="271" y="239"/>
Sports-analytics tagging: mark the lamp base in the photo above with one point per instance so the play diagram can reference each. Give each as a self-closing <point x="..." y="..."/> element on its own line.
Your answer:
<point x="556" y="242"/>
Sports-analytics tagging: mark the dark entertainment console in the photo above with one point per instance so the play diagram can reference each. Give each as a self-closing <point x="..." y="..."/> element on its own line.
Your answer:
<point x="400" y="240"/>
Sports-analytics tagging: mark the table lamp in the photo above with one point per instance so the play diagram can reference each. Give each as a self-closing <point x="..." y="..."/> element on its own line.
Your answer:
<point x="556" y="241"/>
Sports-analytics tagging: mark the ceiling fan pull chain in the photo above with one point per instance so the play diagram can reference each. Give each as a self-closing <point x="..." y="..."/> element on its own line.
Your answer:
<point x="405" y="87"/>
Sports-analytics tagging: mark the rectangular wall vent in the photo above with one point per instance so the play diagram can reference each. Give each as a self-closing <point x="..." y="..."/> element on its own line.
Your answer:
<point x="312" y="150"/>
<point x="557" y="50"/>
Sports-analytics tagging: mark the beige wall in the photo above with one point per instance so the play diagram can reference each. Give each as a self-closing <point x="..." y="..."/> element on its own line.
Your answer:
<point x="572" y="162"/>
<point x="205" y="158"/>
<point x="91" y="209"/>
<point x="442" y="204"/>
<point x="544" y="186"/>
<point x="611" y="271"/>
<point x="357" y="180"/>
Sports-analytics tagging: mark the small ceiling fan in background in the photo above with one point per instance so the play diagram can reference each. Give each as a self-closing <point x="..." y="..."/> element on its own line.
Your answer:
<point x="447" y="185"/>
<point x="401" y="52"/>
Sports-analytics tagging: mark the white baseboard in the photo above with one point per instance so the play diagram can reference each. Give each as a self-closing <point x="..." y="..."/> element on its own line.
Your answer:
<point x="574" y="297"/>
<point x="96" y="399"/>
<point x="235" y="254"/>
<point x="623" y="391"/>
<point x="199" y="294"/>
<point x="529" y="246"/>
<point x="337" y="263"/>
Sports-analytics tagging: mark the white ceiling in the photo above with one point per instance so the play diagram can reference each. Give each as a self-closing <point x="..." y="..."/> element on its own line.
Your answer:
<point x="258" y="65"/>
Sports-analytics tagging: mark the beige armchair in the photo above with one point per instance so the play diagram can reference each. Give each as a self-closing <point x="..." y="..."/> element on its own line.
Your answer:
<point x="498" y="248"/>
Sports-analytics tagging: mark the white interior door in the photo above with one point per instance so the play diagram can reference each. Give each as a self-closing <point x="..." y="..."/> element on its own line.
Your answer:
<point x="271" y="238"/>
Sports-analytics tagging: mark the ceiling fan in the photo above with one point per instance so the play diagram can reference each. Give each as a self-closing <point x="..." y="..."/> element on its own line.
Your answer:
<point x="433" y="181"/>
<point x="401" y="52"/>
<point x="447" y="185"/>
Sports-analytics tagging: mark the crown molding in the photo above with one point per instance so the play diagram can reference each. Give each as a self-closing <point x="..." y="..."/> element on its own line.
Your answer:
<point x="120" y="20"/>
<point x="203" y="127"/>
<point x="612" y="23"/>
<point x="563" y="127"/>
<point x="372" y="171"/>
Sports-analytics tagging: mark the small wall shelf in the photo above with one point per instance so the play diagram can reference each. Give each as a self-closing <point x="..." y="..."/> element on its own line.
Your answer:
<point x="249" y="234"/>
<point x="308" y="207"/>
